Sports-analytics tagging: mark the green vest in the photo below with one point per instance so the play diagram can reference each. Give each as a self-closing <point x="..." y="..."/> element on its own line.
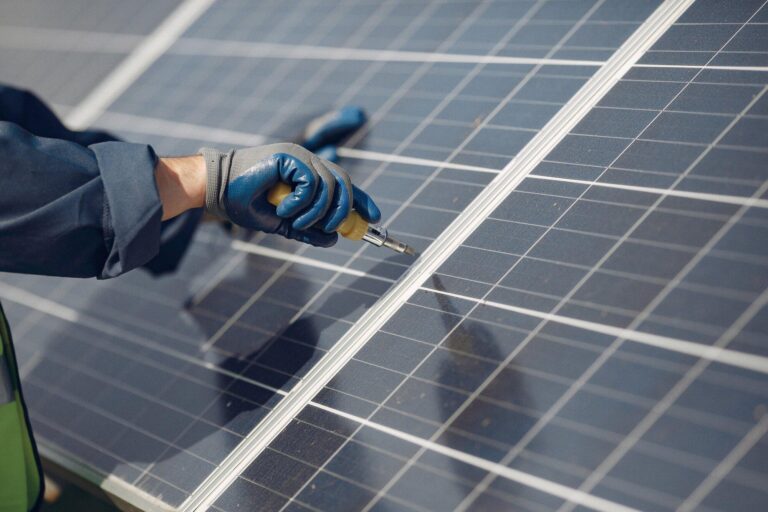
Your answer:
<point x="20" y="474"/>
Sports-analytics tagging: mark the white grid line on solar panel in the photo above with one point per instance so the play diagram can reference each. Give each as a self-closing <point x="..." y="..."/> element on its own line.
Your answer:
<point x="468" y="299"/>
<point x="426" y="121"/>
<point x="744" y="360"/>
<point x="384" y="490"/>
<point x="20" y="329"/>
<point x="192" y="130"/>
<point x="297" y="315"/>
<point x="479" y="40"/>
<point x="661" y="499"/>
<point x="664" y="292"/>
<point x="138" y="61"/>
<point x="507" y="497"/>
<point x="722" y="292"/>
<point x="395" y="42"/>
<point x="234" y="290"/>
<point x="691" y="375"/>
<point x="211" y="342"/>
<point x="324" y="25"/>
<point x="268" y="300"/>
<point x="726" y="465"/>
<point x="152" y="363"/>
<point x="307" y="87"/>
<point x="87" y="369"/>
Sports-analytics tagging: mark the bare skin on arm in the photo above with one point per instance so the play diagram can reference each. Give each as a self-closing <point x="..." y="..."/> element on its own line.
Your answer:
<point x="180" y="184"/>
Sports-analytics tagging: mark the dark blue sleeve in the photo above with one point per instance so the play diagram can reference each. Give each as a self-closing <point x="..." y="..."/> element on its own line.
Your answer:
<point x="71" y="210"/>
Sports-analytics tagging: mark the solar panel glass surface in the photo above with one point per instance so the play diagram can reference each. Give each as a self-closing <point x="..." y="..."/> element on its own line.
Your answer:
<point x="503" y="356"/>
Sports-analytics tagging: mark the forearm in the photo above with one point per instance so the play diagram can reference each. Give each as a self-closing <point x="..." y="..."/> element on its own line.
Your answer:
<point x="180" y="184"/>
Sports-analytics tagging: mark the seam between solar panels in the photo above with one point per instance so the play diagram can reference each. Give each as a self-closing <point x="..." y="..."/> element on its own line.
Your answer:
<point x="535" y="151"/>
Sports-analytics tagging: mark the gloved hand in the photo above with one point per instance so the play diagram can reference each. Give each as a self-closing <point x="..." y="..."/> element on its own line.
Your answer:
<point x="323" y="194"/>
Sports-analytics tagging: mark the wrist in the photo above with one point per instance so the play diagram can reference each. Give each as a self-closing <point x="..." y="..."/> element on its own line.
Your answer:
<point x="180" y="184"/>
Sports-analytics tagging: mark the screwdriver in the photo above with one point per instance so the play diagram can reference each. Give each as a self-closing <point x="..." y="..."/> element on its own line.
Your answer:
<point x="354" y="227"/>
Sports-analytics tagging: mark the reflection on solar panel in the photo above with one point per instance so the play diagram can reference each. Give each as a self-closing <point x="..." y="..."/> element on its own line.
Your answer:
<point x="586" y="332"/>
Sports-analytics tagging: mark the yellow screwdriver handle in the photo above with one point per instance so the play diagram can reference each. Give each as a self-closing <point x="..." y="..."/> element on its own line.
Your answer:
<point x="354" y="226"/>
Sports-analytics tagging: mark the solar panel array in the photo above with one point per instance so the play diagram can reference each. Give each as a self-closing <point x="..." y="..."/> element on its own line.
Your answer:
<point x="563" y="345"/>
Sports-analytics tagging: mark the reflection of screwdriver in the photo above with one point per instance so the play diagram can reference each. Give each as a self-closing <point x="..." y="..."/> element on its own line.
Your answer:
<point x="354" y="226"/>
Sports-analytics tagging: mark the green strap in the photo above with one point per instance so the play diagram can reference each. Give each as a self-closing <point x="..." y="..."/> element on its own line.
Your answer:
<point x="20" y="474"/>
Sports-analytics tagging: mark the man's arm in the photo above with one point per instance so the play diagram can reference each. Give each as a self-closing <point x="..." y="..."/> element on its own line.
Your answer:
<point x="70" y="210"/>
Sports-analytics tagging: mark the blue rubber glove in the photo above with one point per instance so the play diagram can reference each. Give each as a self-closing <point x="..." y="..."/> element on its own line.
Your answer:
<point x="323" y="194"/>
<point x="330" y="129"/>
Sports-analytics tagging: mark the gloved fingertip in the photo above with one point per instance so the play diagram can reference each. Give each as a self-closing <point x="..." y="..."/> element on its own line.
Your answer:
<point x="287" y="207"/>
<point x="372" y="214"/>
<point x="294" y="202"/>
<point x="365" y="206"/>
<point x="307" y="220"/>
<point x="330" y="227"/>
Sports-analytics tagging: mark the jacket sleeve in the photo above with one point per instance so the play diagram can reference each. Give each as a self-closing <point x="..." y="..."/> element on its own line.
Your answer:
<point x="71" y="210"/>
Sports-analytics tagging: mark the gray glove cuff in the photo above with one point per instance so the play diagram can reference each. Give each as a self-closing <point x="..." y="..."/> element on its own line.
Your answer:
<point x="217" y="170"/>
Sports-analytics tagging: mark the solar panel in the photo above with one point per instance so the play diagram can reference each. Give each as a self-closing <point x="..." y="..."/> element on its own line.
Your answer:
<point x="562" y="354"/>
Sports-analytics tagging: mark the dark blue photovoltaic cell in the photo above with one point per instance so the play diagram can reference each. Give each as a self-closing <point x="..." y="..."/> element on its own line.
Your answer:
<point x="188" y="364"/>
<point x="638" y="425"/>
<point x="156" y="381"/>
<point x="62" y="50"/>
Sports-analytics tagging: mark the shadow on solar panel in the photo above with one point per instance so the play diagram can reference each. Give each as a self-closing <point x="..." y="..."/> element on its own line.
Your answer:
<point x="164" y="416"/>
